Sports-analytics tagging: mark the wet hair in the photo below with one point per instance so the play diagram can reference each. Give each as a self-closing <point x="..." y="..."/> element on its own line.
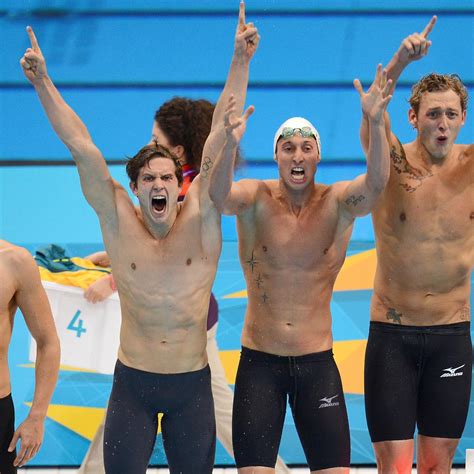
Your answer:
<point x="438" y="83"/>
<point x="148" y="153"/>
<point x="187" y="122"/>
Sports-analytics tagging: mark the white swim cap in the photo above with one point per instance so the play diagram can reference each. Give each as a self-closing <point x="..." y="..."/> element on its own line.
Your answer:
<point x="296" y="123"/>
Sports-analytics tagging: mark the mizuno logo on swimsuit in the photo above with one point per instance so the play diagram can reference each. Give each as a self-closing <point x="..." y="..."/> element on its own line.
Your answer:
<point x="328" y="402"/>
<point x="450" y="372"/>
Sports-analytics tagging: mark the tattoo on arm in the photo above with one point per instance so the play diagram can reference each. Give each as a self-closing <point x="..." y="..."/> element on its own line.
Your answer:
<point x="206" y="166"/>
<point x="392" y="315"/>
<point x="354" y="200"/>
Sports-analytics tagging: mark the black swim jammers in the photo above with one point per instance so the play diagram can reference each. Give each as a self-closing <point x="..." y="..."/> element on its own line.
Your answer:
<point x="417" y="375"/>
<point x="313" y="387"/>
<point x="7" y="429"/>
<point x="188" y="424"/>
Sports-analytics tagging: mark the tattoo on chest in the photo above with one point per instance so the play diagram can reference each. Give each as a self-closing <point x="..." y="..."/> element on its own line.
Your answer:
<point x="206" y="166"/>
<point x="354" y="200"/>
<point x="405" y="170"/>
<point x="392" y="315"/>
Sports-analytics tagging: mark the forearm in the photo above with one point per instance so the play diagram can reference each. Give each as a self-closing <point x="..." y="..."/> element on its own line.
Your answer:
<point x="222" y="175"/>
<point x="394" y="70"/>
<point x="236" y="83"/>
<point x="378" y="157"/>
<point x="47" y="367"/>
<point x="65" y="122"/>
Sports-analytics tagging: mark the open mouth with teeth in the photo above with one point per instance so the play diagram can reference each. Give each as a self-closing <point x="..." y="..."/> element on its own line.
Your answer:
<point x="298" y="174"/>
<point x="158" y="203"/>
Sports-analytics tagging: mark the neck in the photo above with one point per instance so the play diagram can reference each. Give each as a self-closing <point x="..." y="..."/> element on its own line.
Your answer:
<point x="296" y="200"/>
<point x="158" y="230"/>
<point x="427" y="159"/>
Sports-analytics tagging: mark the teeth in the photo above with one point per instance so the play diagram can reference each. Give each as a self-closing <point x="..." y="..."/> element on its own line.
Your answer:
<point x="158" y="198"/>
<point x="297" y="170"/>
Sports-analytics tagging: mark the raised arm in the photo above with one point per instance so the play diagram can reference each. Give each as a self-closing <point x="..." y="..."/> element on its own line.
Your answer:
<point x="246" y="42"/>
<point x="33" y="303"/>
<point x="413" y="48"/>
<point x="96" y="181"/>
<point x="231" y="198"/>
<point x="245" y="45"/>
<point x="358" y="196"/>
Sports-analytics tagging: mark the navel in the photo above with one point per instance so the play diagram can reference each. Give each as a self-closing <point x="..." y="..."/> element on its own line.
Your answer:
<point x="403" y="217"/>
<point x="188" y="261"/>
<point x="133" y="266"/>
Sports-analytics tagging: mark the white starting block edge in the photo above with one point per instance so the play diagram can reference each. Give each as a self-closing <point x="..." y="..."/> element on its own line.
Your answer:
<point x="469" y="461"/>
<point x="89" y="333"/>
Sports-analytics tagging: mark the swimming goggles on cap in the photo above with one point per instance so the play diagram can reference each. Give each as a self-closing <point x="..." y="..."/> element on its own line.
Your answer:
<point x="305" y="132"/>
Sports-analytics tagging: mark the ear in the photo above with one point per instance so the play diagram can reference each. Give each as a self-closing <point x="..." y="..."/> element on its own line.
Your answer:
<point x="412" y="118"/>
<point x="464" y="117"/>
<point x="133" y="187"/>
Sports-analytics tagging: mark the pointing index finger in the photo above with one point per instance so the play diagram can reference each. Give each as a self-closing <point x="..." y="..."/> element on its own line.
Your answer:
<point x="33" y="40"/>
<point x="429" y="27"/>
<point x="242" y="14"/>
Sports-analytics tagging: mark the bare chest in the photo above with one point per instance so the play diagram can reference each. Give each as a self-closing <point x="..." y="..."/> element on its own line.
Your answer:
<point x="440" y="207"/>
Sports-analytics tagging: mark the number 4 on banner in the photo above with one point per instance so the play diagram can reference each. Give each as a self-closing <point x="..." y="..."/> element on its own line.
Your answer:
<point x="79" y="329"/>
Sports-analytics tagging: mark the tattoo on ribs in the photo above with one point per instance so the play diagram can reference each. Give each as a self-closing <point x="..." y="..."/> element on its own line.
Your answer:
<point x="252" y="262"/>
<point x="259" y="281"/>
<point x="206" y="166"/>
<point x="464" y="313"/>
<point x="402" y="167"/>
<point x="394" y="316"/>
<point x="354" y="200"/>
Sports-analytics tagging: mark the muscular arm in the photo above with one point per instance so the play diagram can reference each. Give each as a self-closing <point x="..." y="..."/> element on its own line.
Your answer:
<point x="359" y="196"/>
<point x="229" y="197"/>
<point x="245" y="45"/>
<point x="33" y="303"/>
<point x="412" y="48"/>
<point x="96" y="181"/>
<point x="234" y="92"/>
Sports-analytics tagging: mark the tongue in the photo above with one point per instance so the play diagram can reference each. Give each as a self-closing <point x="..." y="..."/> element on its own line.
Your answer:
<point x="159" y="205"/>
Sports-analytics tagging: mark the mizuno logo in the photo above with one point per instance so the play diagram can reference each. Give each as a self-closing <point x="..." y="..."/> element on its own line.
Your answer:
<point x="328" y="402"/>
<point x="450" y="372"/>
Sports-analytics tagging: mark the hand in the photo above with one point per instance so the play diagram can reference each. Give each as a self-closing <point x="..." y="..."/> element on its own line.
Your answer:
<point x="235" y="126"/>
<point x="375" y="100"/>
<point x="32" y="62"/>
<point x="99" y="291"/>
<point x="416" y="46"/>
<point x="31" y="433"/>
<point x="100" y="258"/>
<point x="246" y="37"/>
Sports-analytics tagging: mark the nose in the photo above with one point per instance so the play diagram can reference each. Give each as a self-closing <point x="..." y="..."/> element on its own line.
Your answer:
<point x="298" y="156"/>
<point x="443" y="122"/>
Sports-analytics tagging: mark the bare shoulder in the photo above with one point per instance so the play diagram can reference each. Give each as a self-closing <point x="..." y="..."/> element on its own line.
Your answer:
<point x="335" y="190"/>
<point x="17" y="261"/>
<point x="466" y="153"/>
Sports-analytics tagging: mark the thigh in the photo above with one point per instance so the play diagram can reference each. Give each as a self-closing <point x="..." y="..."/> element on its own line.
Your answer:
<point x="258" y="413"/>
<point x="391" y="385"/>
<point x="7" y="428"/>
<point x="189" y="430"/>
<point x="445" y="386"/>
<point x="320" y="414"/>
<point x="130" y="426"/>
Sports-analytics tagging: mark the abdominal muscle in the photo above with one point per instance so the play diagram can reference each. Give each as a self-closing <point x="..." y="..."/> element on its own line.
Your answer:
<point x="293" y="320"/>
<point x="166" y="337"/>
